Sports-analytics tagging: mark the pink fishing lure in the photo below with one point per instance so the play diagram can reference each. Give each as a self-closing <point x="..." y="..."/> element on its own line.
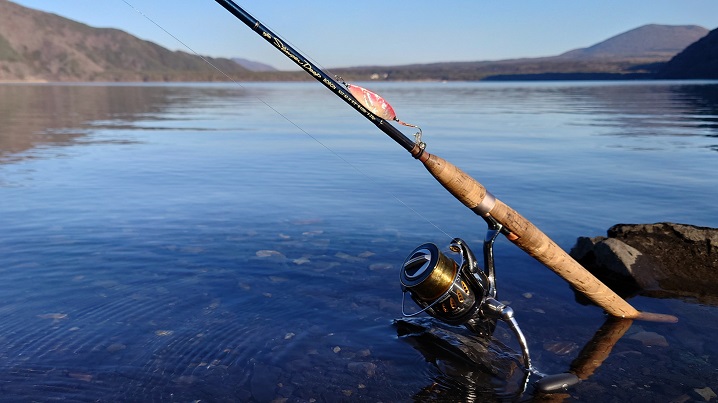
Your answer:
<point x="377" y="105"/>
<point x="372" y="101"/>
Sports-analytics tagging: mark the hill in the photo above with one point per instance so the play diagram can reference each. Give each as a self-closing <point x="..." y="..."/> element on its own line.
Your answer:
<point x="697" y="61"/>
<point x="251" y="65"/>
<point x="39" y="46"/>
<point x="648" y="41"/>
<point x="638" y="53"/>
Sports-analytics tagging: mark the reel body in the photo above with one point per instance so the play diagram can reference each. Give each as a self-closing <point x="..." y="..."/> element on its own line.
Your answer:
<point x="459" y="293"/>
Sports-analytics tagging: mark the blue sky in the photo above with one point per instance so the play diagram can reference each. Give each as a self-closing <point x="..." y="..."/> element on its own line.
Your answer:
<point x="373" y="32"/>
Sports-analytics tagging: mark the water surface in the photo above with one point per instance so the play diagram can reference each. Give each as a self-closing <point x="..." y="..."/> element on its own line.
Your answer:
<point x="188" y="242"/>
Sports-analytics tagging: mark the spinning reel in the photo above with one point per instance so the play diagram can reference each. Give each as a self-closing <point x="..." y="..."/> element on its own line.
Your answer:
<point x="459" y="294"/>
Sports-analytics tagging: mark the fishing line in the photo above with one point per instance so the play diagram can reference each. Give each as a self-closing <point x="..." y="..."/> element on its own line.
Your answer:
<point x="285" y="117"/>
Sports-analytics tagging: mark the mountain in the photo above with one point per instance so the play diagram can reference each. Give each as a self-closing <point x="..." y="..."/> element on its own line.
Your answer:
<point x="39" y="46"/>
<point x="697" y="61"/>
<point x="659" y="41"/>
<point x="638" y="53"/>
<point x="251" y="65"/>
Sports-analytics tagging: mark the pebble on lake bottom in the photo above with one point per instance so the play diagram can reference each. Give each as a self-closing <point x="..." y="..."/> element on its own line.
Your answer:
<point x="115" y="347"/>
<point x="348" y="257"/>
<point x="269" y="253"/>
<point x="706" y="393"/>
<point x="561" y="347"/>
<point x="367" y="369"/>
<point x="80" y="376"/>
<point x="381" y="266"/>
<point x="56" y="317"/>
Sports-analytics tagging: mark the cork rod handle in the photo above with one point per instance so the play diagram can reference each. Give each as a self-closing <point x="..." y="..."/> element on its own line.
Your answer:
<point x="530" y="239"/>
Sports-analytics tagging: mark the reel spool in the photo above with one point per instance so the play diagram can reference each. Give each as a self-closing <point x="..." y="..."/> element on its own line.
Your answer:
<point x="444" y="289"/>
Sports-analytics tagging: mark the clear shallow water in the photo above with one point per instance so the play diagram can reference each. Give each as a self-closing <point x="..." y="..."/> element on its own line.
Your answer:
<point x="183" y="242"/>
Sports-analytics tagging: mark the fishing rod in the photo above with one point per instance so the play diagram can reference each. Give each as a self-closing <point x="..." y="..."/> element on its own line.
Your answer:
<point x="463" y="187"/>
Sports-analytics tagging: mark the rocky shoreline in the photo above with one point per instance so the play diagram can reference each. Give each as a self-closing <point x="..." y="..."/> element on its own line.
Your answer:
<point x="667" y="260"/>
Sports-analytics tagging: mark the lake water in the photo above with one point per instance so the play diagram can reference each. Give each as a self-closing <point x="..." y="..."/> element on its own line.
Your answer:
<point x="219" y="242"/>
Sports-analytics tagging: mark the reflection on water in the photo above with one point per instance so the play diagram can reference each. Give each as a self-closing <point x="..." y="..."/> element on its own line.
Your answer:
<point x="472" y="367"/>
<point x="480" y="369"/>
<point x="42" y="115"/>
<point x="643" y="111"/>
<point x="182" y="242"/>
<point x="50" y="115"/>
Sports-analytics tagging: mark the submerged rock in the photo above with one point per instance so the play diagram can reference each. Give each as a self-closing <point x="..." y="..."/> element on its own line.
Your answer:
<point x="664" y="259"/>
<point x="649" y="339"/>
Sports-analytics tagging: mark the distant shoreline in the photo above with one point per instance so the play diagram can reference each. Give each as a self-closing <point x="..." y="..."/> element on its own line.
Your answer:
<point x="547" y="77"/>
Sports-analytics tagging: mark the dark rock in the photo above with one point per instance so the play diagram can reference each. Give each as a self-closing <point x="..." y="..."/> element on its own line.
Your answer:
<point x="662" y="259"/>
